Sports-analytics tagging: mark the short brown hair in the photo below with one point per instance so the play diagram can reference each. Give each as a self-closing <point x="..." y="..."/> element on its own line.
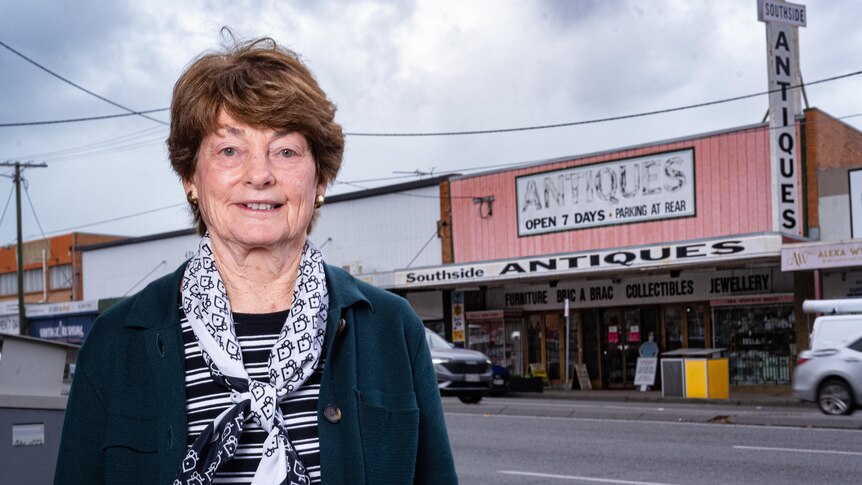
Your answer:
<point x="258" y="83"/>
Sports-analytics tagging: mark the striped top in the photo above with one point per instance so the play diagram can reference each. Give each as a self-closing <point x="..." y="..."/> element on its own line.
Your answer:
<point x="205" y="400"/>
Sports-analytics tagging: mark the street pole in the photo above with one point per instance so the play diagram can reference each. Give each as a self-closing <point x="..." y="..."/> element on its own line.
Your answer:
<point x="22" y="315"/>
<point x="566" y="345"/>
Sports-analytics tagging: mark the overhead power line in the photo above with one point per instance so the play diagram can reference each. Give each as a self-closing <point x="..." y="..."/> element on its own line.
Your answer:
<point x="78" y="86"/>
<point x="87" y="118"/>
<point x="8" y="199"/>
<point x="482" y="132"/>
<point x="514" y="165"/>
<point x="604" y="120"/>
<point x="136" y="214"/>
<point x="136" y="135"/>
<point x="32" y="208"/>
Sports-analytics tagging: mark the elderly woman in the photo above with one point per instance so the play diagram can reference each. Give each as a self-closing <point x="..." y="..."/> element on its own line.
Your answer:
<point x="255" y="362"/>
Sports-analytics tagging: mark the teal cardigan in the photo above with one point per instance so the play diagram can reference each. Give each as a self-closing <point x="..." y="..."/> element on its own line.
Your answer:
<point x="126" y="416"/>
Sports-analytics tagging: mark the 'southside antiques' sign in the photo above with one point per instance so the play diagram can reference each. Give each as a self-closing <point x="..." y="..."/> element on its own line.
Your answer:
<point x="648" y="188"/>
<point x="654" y="256"/>
<point x="782" y="22"/>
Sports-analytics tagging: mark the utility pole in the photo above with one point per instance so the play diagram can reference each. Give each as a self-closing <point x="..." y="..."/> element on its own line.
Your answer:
<point x="22" y="317"/>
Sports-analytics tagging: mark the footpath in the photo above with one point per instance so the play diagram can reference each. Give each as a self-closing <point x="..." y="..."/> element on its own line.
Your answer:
<point x="775" y="407"/>
<point x="778" y="397"/>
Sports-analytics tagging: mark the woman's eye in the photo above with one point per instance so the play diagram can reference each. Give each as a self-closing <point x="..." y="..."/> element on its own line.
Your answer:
<point x="287" y="152"/>
<point x="229" y="151"/>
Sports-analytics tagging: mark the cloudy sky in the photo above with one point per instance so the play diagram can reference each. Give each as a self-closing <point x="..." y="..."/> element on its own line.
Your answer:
<point x="390" y="66"/>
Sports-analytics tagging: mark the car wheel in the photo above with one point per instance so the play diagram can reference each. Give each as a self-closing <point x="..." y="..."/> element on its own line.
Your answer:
<point x="834" y="398"/>
<point x="470" y="399"/>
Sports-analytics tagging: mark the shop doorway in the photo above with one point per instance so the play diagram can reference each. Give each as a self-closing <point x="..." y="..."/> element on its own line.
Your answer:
<point x="685" y="326"/>
<point x="546" y="336"/>
<point x="623" y="332"/>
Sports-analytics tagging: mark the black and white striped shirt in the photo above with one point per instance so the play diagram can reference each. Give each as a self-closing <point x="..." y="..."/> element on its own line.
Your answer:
<point x="205" y="400"/>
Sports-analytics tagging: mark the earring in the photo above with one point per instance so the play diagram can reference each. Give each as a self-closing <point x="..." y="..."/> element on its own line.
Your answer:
<point x="318" y="201"/>
<point x="190" y="197"/>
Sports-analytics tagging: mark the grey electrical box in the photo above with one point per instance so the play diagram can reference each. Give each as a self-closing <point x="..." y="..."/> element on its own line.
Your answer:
<point x="34" y="381"/>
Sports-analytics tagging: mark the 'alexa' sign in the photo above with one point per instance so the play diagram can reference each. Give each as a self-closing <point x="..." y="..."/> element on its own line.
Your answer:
<point x="648" y="188"/>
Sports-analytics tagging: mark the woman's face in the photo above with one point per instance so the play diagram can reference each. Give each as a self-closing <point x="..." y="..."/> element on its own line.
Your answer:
<point x="255" y="187"/>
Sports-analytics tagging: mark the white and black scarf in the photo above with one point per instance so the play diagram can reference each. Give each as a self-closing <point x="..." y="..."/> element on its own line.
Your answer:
<point x="291" y="361"/>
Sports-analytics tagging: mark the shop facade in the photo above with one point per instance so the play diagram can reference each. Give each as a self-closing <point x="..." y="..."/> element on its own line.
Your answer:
<point x="579" y="260"/>
<point x="598" y="317"/>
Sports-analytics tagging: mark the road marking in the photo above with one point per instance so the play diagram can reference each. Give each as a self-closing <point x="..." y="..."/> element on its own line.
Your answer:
<point x="583" y="479"/>
<point x="602" y="405"/>
<point x="799" y="450"/>
<point x="654" y="421"/>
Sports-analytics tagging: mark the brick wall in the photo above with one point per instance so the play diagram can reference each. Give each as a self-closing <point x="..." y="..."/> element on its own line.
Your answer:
<point x="829" y="144"/>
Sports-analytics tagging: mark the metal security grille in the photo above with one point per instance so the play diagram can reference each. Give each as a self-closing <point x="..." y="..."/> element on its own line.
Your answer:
<point x="759" y="369"/>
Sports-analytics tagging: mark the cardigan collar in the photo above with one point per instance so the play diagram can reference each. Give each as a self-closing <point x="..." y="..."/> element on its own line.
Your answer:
<point x="151" y="311"/>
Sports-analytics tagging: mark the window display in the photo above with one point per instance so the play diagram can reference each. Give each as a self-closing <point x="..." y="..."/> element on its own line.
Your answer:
<point x="759" y="341"/>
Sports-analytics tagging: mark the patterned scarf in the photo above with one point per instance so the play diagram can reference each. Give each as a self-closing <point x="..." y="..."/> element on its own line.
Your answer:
<point x="291" y="362"/>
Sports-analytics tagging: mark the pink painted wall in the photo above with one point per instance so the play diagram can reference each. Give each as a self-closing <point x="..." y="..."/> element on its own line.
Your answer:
<point x="732" y="195"/>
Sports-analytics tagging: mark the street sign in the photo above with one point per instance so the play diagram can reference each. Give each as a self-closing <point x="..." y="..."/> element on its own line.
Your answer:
<point x="783" y="12"/>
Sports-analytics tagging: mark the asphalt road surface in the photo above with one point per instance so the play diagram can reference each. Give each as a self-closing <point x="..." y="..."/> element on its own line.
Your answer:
<point x="526" y="441"/>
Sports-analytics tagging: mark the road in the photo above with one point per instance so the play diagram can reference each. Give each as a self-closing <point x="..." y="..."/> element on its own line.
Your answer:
<point x="525" y="441"/>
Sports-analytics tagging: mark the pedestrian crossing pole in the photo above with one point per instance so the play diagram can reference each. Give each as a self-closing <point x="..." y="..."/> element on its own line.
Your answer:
<point x="19" y="167"/>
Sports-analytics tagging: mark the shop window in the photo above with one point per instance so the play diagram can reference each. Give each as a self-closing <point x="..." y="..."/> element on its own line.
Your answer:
<point x="553" y="339"/>
<point x="8" y="284"/>
<point x="61" y="277"/>
<point x="672" y="328"/>
<point x="695" y="326"/>
<point x="499" y="338"/>
<point x="572" y="349"/>
<point x="759" y="340"/>
<point x="534" y="339"/>
<point x="592" y="346"/>
<point x="34" y="280"/>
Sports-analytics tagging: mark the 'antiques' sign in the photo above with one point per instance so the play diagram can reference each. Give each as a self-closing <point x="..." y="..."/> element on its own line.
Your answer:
<point x="782" y="49"/>
<point x="667" y="256"/>
<point x="648" y="188"/>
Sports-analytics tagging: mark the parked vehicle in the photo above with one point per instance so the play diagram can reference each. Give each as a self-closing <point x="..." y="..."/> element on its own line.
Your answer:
<point x="499" y="380"/>
<point x="830" y="373"/>
<point x="460" y="372"/>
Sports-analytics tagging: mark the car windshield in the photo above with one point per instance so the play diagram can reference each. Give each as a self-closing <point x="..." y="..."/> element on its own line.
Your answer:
<point x="436" y="342"/>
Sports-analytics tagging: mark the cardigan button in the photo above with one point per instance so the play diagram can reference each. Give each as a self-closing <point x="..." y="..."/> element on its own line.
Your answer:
<point x="160" y="345"/>
<point x="332" y="413"/>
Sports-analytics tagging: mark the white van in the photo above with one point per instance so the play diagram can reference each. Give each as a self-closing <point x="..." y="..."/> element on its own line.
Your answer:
<point x="830" y="373"/>
<point x="837" y="326"/>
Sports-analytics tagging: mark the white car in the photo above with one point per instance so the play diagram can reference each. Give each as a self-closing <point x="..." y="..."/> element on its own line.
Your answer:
<point x="831" y="377"/>
<point x="460" y="372"/>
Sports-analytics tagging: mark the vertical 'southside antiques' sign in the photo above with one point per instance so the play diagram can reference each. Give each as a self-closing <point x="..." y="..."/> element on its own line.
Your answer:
<point x="652" y="187"/>
<point x="782" y="21"/>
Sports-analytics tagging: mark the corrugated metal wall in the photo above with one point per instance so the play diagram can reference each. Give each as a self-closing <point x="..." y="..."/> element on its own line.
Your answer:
<point x="122" y="270"/>
<point x="732" y="196"/>
<point x="381" y="233"/>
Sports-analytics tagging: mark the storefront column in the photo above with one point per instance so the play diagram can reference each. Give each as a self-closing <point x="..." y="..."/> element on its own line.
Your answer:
<point x="805" y="286"/>
<point x="447" y="314"/>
